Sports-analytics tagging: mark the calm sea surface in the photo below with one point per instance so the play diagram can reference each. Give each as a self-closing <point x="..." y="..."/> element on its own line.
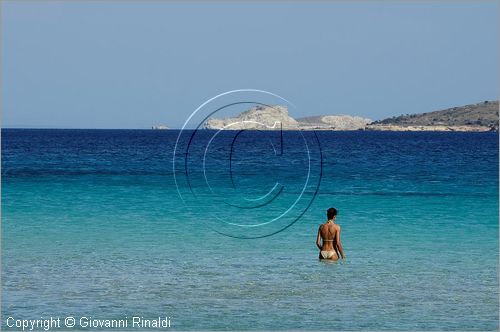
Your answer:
<point x="104" y="224"/>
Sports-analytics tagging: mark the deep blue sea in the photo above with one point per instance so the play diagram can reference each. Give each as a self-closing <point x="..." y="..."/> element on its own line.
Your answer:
<point x="110" y="224"/>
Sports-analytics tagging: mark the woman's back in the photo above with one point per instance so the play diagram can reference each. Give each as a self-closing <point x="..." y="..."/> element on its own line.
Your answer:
<point x="328" y="232"/>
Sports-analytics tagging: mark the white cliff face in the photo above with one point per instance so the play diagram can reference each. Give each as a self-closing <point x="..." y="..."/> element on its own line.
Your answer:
<point x="334" y="122"/>
<point x="346" y="122"/>
<point x="258" y="117"/>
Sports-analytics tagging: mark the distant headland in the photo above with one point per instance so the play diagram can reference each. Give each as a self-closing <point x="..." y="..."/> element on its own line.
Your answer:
<point x="478" y="117"/>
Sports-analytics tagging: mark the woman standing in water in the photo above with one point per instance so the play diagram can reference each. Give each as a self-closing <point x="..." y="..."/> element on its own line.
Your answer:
<point x="328" y="239"/>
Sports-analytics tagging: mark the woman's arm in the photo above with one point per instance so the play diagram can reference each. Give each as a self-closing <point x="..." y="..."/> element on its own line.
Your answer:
<point x="339" y="245"/>
<point x="318" y="239"/>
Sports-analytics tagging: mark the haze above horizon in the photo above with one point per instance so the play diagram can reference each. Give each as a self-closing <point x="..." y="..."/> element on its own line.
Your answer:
<point x="137" y="64"/>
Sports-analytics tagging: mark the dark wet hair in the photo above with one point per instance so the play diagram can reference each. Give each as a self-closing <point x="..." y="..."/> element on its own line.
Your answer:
<point x="331" y="212"/>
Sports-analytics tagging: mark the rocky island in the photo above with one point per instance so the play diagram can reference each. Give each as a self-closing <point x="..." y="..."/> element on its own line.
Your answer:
<point x="257" y="118"/>
<point x="276" y="118"/>
<point x="476" y="117"/>
<point x="159" y="127"/>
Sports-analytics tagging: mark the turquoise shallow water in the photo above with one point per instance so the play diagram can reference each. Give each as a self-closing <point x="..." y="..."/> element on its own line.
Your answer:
<point x="93" y="225"/>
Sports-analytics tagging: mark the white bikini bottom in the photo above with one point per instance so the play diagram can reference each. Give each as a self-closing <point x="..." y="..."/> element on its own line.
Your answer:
<point x="328" y="254"/>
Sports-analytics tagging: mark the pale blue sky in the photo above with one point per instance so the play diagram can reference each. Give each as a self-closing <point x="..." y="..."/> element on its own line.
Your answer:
<point x="111" y="64"/>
